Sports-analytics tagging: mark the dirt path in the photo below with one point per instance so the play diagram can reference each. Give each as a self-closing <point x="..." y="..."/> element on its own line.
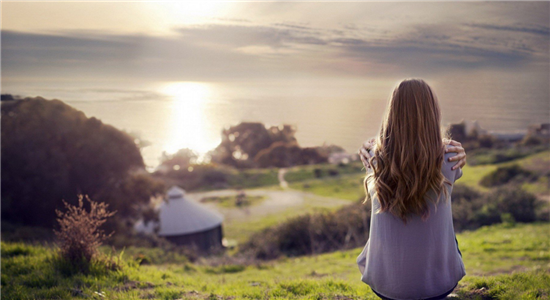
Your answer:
<point x="275" y="202"/>
<point x="281" y="177"/>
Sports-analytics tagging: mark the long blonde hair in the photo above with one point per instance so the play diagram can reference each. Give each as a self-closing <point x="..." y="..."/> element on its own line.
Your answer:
<point x="409" y="152"/>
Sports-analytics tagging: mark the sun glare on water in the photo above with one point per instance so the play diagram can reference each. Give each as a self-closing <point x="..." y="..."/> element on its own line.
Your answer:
<point x="187" y="118"/>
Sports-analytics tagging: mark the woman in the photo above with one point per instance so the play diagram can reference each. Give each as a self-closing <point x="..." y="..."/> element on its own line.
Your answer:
<point x="412" y="252"/>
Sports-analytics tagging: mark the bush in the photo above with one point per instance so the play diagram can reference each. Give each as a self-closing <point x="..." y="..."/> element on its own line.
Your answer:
<point x="484" y="156"/>
<point x="466" y="203"/>
<point x="312" y="233"/>
<point x="333" y="172"/>
<point x="503" y="175"/>
<point x="208" y="176"/>
<point x="318" y="172"/>
<point x="509" y="204"/>
<point x="79" y="233"/>
<point x="531" y="140"/>
<point x="515" y="201"/>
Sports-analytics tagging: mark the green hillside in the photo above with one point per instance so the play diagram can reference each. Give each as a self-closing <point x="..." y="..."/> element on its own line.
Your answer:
<point x="349" y="185"/>
<point x="502" y="262"/>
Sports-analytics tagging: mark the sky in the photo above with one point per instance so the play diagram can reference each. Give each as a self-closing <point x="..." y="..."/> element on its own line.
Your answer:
<point x="177" y="73"/>
<point x="64" y="42"/>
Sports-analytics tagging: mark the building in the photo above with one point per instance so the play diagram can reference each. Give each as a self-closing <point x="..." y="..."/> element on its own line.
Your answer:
<point x="541" y="130"/>
<point x="340" y="158"/>
<point x="185" y="222"/>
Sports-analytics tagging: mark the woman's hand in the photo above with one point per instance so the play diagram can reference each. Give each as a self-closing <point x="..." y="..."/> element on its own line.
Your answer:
<point x="364" y="152"/>
<point x="460" y="156"/>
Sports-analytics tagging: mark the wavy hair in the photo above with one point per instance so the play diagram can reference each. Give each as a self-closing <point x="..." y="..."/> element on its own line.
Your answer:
<point x="409" y="152"/>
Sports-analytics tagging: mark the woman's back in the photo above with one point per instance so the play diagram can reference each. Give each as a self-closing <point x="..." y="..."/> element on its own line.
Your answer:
<point x="417" y="259"/>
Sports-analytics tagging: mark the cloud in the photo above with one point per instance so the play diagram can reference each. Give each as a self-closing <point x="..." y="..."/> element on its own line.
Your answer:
<point x="534" y="29"/>
<point x="243" y="49"/>
<point x="117" y="56"/>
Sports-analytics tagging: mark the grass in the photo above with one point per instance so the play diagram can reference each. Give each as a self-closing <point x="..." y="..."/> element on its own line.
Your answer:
<point x="493" y="156"/>
<point x="307" y="172"/>
<point x="528" y="285"/>
<point x="350" y="185"/>
<point x="231" y="201"/>
<point x="240" y="231"/>
<point x="504" y="248"/>
<point x="254" y="178"/>
<point x="502" y="263"/>
<point x="539" y="162"/>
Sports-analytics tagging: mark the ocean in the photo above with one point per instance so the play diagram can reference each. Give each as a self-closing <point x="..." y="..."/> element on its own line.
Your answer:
<point x="174" y="115"/>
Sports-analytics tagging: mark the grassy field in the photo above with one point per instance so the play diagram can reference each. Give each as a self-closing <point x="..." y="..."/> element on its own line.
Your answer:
<point x="502" y="262"/>
<point x="350" y="186"/>
<point x="233" y="201"/>
<point x="241" y="230"/>
<point x="301" y="173"/>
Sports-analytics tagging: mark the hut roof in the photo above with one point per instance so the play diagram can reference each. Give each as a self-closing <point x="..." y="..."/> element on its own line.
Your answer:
<point x="179" y="215"/>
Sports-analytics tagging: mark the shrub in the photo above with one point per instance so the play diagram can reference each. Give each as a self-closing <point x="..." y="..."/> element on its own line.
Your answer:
<point x="503" y="175"/>
<point x="507" y="204"/>
<point x="79" y="233"/>
<point x="513" y="200"/>
<point x="483" y="156"/>
<point x="466" y="203"/>
<point x="531" y="140"/>
<point x="333" y="172"/>
<point x="348" y="227"/>
<point x="312" y="233"/>
<point x="318" y="172"/>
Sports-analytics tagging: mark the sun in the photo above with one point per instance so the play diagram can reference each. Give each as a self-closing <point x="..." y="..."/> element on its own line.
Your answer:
<point x="187" y="118"/>
<point x="185" y="12"/>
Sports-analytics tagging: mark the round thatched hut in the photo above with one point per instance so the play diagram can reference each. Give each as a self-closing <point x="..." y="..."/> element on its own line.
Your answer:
<point x="186" y="222"/>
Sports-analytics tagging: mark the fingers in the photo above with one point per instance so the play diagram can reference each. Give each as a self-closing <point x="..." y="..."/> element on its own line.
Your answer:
<point x="455" y="143"/>
<point x="451" y="149"/>
<point x="461" y="163"/>
<point x="368" y="144"/>
<point x="364" y="155"/>
<point x="365" y="162"/>
<point x="461" y="160"/>
<point x="459" y="156"/>
<point x="457" y="149"/>
<point x="365" y="152"/>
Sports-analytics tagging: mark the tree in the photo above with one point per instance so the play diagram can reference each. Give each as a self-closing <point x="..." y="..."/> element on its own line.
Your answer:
<point x="181" y="159"/>
<point x="51" y="152"/>
<point x="241" y="143"/>
<point x="281" y="154"/>
<point x="458" y="132"/>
